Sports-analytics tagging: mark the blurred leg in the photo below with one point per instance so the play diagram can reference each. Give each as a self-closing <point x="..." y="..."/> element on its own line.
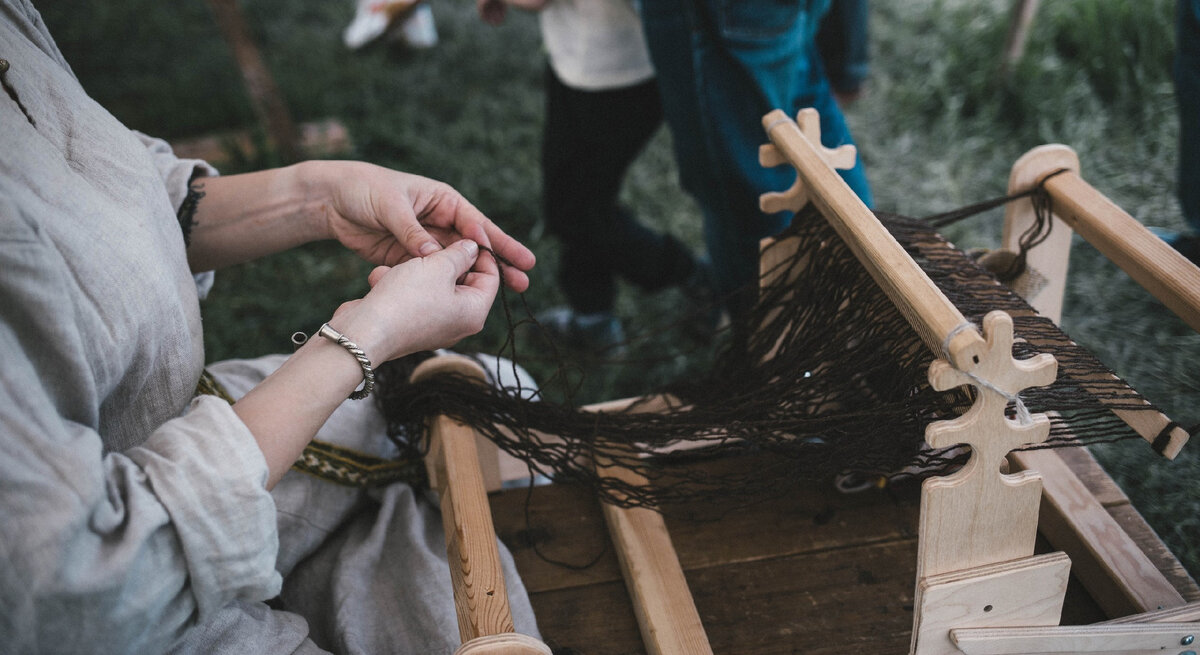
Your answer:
<point x="843" y="44"/>
<point x="592" y="137"/>
<point x="722" y="66"/>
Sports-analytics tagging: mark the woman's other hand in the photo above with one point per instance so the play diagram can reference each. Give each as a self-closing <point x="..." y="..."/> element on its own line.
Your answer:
<point x="389" y="218"/>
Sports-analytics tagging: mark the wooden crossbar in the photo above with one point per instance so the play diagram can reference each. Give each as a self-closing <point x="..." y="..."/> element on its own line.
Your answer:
<point x="925" y="307"/>
<point x="1079" y="207"/>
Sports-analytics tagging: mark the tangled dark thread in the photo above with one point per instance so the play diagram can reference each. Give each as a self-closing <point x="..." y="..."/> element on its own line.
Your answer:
<point x="827" y="378"/>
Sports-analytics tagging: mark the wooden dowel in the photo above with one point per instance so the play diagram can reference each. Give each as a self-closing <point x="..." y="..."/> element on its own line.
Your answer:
<point x="925" y="307"/>
<point x="480" y="594"/>
<point x="1158" y="267"/>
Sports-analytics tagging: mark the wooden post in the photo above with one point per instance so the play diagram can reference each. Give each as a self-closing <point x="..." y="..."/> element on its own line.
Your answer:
<point x="1079" y="207"/>
<point x="480" y="595"/>
<point x="1044" y="281"/>
<point x="1023" y="12"/>
<point x="268" y="104"/>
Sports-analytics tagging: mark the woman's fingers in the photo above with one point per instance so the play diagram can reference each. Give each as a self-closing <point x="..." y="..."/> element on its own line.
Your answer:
<point x="377" y="274"/>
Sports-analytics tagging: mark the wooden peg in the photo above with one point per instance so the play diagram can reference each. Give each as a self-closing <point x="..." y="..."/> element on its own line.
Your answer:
<point x="980" y="515"/>
<point x="769" y="156"/>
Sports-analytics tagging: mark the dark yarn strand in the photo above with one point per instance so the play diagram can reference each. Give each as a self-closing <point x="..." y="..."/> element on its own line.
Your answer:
<point x="829" y="378"/>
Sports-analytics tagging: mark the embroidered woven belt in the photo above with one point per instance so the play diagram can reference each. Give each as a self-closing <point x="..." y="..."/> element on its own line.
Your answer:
<point x="334" y="463"/>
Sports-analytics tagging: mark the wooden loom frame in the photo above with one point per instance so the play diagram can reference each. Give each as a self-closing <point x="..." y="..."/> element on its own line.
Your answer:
<point x="980" y="588"/>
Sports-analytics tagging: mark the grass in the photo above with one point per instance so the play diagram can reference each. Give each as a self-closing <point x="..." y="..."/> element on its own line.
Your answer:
<point x="938" y="129"/>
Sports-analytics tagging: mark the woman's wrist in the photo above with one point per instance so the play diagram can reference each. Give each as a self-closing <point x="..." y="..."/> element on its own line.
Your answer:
<point x="317" y="183"/>
<point x="370" y="333"/>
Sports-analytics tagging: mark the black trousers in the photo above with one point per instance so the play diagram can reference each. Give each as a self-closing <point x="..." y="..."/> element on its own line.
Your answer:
<point x="590" y="139"/>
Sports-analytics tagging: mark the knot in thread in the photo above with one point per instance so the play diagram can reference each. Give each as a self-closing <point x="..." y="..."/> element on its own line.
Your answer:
<point x="1023" y="416"/>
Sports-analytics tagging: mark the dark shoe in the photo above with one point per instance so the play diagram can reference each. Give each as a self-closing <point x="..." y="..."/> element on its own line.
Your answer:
<point x="600" y="333"/>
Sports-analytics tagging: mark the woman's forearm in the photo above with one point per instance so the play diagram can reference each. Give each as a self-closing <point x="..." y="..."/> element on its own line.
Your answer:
<point x="286" y="409"/>
<point x="238" y="218"/>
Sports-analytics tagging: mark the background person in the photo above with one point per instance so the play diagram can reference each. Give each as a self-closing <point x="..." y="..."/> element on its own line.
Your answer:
<point x="602" y="107"/>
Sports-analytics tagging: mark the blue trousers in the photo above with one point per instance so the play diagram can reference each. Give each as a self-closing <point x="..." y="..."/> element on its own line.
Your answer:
<point x="1187" y="94"/>
<point x="722" y="65"/>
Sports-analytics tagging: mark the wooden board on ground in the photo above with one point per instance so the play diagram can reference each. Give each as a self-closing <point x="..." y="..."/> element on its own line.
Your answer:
<point x="317" y="140"/>
<point x="812" y="571"/>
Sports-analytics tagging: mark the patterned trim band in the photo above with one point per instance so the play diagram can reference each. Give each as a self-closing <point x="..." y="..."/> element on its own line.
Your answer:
<point x="336" y="464"/>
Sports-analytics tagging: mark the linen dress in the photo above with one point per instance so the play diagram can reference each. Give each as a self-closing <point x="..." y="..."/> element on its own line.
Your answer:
<point x="133" y="515"/>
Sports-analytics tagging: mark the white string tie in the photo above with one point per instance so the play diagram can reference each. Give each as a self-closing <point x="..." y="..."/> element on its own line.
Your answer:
<point x="1024" y="418"/>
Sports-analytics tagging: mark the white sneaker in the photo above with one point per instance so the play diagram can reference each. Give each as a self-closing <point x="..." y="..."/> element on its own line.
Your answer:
<point x="372" y="19"/>
<point x="416" y="30"/>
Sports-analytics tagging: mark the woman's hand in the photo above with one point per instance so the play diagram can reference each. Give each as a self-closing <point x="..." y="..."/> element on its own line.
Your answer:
<point x="423" y="303"/>
<point x="389" y="218"/>
<point x="420" y="304"/>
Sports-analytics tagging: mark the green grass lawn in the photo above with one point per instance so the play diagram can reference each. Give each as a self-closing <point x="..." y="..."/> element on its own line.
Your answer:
<point x="937" y="129"/>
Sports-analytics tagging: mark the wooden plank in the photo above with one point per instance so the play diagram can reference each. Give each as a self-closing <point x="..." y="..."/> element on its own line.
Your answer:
<point x="565" y="523"/>
<point x="1143" y="639"/>
<point x="832" y="602"/>
<point x="1093" y="476"/>
<point x="1115" y="570"/>
<point x="1025" y="592"/>
<point x="662" y="601"/>
<point x="737" y="561"/>
<point x="1181" y="614"/>
<point x="1156" y="551"/>
<point x="717" y="543"/>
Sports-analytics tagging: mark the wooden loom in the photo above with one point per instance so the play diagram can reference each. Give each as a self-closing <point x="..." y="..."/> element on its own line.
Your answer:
<point x="985" y="583"/>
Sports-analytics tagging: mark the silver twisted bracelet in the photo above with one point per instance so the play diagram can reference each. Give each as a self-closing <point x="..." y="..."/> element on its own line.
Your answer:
<point x="368" y="372"/>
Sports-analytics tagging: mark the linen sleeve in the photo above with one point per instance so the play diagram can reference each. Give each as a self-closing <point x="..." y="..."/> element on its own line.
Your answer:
<point x="176" y="175"/>
<point x="105" y="551"/>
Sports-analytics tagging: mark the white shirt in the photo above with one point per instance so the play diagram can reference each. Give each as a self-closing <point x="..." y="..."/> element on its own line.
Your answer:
<point x="596" y="44"/>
